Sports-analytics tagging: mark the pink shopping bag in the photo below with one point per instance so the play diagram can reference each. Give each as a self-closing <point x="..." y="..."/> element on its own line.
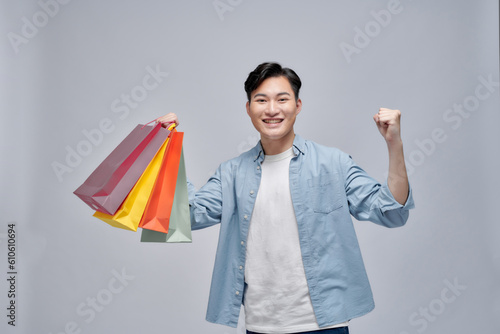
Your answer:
<point x="108" y="186"/>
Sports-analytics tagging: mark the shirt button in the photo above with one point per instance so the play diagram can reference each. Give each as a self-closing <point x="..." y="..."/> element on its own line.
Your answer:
<point x="245" y="217"/>
<point x="241" y="267"/>
<point x="237" y="293"/>
<point x="251" y="192"/>
<point x="258" y="167"/>
<point x="242" y="243"/>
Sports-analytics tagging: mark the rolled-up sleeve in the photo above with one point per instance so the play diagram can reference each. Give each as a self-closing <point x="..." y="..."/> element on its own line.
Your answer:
<point x="206" y="204"/>
<point x="372" y="201"/>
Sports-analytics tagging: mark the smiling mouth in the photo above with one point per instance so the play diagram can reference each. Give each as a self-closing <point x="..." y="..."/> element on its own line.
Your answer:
<point x="273" y="121"/>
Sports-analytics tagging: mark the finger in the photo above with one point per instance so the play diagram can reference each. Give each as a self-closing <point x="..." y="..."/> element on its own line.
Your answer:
<point x="168" y="119"/>
<point x="167" y="123"/>
<point x="389" y="116"/>
<point x="386" y="117"/>
<point x="379" y="122"/>
<point x="385" y="111"/>
<point x="164" y="120"/>
<point x="167" y="116"/>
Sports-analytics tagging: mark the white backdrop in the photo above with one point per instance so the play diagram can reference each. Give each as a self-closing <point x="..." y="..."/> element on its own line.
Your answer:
<point x="71" y="70"/>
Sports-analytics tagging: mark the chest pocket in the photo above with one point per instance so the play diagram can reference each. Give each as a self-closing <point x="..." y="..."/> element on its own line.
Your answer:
<point x="325" y="193"/>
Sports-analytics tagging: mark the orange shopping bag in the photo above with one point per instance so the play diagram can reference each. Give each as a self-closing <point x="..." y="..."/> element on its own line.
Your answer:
<point x="156" y="216"/>
<point x="130" y="212"/>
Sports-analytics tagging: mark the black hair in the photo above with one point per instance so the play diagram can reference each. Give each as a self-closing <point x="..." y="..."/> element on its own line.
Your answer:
<point x="271" y="70"/>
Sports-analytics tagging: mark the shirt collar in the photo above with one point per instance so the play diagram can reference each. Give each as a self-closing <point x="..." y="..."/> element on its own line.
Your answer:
<point x="299" y="147"/>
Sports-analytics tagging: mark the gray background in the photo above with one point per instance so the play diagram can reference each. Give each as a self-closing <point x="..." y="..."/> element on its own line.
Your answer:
<point x="63" y="79"/>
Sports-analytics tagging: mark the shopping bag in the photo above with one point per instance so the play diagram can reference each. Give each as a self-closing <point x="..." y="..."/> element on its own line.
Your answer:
<point x="180" y="224"/>
<point x="130" y="212"/>
<point x="109" y="184"/>
<point x="157" y="213"/>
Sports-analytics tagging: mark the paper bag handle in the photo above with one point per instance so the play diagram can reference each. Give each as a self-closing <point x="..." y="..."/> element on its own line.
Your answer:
<point x="170" y="128"/>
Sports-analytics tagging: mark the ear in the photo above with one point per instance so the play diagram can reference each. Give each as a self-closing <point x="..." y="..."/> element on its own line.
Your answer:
<point x="299" y="106"/>
<point x="248" y="107"/>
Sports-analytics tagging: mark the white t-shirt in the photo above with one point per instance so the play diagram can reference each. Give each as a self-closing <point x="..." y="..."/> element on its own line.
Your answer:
<point x="276" y="296"/>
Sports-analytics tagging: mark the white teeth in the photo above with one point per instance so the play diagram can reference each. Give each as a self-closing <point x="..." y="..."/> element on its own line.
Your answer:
<point x="272" y="121"/>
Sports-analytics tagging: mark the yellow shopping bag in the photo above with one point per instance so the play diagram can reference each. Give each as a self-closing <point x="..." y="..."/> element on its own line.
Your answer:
<point x="130" y="213"/>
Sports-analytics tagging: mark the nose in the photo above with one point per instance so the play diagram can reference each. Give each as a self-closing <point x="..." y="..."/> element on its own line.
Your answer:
<point x="273" y="108"/>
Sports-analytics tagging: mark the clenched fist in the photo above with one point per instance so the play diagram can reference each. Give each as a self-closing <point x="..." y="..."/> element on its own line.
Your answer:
<point x="388" y="123"/>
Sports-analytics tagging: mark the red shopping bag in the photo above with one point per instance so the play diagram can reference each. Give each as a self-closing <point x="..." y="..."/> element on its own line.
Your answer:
<point x="108" y="186"/>
<point x="156" y="216"/>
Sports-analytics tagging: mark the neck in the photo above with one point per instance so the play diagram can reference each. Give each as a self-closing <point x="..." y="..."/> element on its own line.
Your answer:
<point x="273" y="147"/>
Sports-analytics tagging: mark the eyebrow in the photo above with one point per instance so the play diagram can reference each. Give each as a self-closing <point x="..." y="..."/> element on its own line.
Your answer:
<point x="264" y="95"/>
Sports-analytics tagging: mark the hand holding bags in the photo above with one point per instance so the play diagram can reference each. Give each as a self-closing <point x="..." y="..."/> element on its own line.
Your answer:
<point x="157" y="199"/>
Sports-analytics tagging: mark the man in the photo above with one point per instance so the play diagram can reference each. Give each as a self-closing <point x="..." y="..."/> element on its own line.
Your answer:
<point x="287" y="246"/>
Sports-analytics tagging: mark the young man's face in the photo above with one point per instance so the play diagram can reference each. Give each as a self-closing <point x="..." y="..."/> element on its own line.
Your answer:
<point x="273" y="110"/>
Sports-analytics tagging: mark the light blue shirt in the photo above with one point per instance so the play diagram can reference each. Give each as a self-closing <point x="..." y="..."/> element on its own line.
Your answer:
<point x="327" y="187"/>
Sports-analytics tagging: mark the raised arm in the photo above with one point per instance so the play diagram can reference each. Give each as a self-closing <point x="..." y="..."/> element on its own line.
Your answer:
<point x="388" y="123"/>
